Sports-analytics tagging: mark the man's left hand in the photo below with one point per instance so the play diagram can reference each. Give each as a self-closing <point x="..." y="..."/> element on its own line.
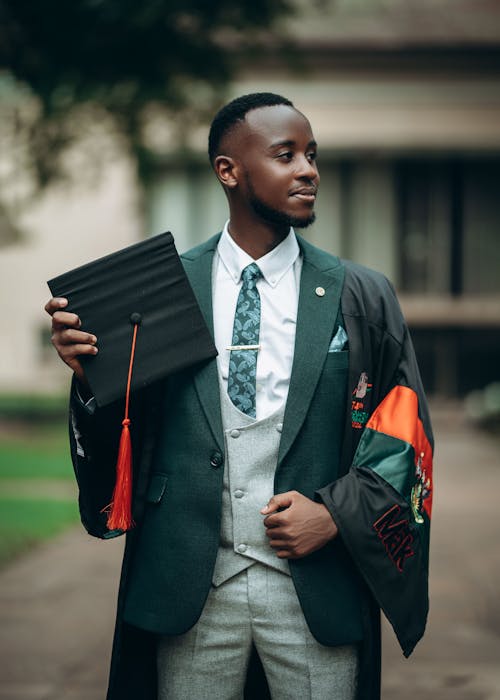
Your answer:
<point x="296" y="525"/>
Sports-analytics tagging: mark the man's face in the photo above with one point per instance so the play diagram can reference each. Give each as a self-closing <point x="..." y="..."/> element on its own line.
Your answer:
<point x="277" y="152"/>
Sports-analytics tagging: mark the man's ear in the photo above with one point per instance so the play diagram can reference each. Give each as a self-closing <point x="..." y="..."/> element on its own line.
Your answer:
<point x="226" y="170"/>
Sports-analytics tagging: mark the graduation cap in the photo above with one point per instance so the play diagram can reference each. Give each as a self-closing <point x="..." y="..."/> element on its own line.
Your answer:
<point x="140" y="305"/>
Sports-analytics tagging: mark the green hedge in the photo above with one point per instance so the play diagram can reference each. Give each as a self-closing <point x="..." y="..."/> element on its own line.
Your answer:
<point x="33" y="407"/>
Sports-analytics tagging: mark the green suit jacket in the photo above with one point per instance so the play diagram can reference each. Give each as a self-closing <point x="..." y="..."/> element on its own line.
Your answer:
<point x="179" y="458"/>
<point x="178" y="536"/>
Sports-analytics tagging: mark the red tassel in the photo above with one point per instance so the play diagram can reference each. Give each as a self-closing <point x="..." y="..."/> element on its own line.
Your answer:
<point x="120" y="509"/>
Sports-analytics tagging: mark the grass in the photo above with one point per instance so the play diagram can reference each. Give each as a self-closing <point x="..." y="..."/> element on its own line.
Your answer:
<point x="29" y="452"/>
<point x="26" y="522"/>
<point x="36" y="453"/>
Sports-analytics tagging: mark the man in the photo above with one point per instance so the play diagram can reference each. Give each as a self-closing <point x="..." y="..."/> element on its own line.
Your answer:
<point x="283" y="490"/>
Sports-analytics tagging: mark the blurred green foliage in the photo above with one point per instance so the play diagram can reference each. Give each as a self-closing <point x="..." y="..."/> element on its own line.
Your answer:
<point x="41" y="408"/>
<point x="482" y="407"/>
<point x="36" y="452"/>
<point x="24" y="522"/>
<point x="35" y="486"/>
<point x="89" y="60"/>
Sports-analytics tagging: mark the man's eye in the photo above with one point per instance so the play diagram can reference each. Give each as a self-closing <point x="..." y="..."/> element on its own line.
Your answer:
<point x="286" y="155"/>
<point x="312" y="156"/>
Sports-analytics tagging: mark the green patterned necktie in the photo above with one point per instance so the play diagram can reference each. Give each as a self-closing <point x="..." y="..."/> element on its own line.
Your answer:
<point x="246" y="328"/>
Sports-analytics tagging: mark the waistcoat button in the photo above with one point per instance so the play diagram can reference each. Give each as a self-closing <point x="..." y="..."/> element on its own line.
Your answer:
<point x="216" y="460"/>
<point x="241" y="548"/>
<point x="239" y="493"/>
<point x="279" y="427"/>
<point x="234" y="433"/>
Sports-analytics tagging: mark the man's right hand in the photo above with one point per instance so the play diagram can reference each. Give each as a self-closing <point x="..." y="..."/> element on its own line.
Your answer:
<point x="67" y="338"/>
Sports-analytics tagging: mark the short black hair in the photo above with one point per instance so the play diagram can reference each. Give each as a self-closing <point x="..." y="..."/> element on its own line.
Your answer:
<point x="235" y="111"/>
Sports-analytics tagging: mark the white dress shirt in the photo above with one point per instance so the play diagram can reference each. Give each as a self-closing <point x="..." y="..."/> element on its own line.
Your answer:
<point x="279" y="293"/>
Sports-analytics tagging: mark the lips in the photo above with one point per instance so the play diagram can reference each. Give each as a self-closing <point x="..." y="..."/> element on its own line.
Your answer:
<point x="304" y="191"/>
<point x="305" y="194"/>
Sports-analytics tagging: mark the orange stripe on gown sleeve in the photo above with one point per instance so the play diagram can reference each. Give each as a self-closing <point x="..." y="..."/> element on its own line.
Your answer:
<point x="397" y="416"/>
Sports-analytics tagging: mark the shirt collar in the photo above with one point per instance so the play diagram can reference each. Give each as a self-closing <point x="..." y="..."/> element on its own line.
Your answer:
<point x="273" y="265"/>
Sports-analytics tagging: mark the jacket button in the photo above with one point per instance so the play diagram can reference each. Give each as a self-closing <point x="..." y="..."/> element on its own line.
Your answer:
<point x="216" y="460"/>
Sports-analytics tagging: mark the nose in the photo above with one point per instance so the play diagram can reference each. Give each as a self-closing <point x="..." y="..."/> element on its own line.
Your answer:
<point x="308" y="170"/>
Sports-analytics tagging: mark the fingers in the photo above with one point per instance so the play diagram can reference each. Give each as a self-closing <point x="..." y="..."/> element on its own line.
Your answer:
<point x="300" y="527"/>
<point x="60" y="318"/>
<point x="277" y="525"/>
<point x="70" y="336"/>
<point x="68" y="352"/>
<point x="55" y="304"/>
<point x="65" y="319"/>
<point x="284" y="547"/>
<point x="279" y="500"/>
<point x="67" y="338"/>
<point x="275" y="520"/>
<point x="70" y="343"/>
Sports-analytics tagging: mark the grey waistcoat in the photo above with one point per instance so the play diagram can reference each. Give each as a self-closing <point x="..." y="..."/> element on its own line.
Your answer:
<point x="251" y="448"/>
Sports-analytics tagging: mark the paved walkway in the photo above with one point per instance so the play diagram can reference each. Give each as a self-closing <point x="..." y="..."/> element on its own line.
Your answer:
<point x="57" y="604"/>
<point x="459" y="657"/>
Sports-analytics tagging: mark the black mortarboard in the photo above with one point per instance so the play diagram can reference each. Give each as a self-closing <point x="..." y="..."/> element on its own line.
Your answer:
<point x="140" y="305"/>
<point x="148" y="279"/>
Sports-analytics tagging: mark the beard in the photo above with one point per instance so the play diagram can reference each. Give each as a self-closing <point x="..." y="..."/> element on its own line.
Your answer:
<point x="275" y="216"/>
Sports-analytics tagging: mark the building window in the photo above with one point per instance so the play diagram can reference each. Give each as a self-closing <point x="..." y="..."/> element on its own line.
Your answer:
<point x="448" y="226"/>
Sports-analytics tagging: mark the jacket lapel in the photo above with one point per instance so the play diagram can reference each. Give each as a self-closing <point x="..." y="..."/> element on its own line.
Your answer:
<point x="316" y="316"/>
<point x="198" y="267"/>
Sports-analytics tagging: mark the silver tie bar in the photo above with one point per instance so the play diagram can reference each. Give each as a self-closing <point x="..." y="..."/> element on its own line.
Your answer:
<point x="243" y="347"/>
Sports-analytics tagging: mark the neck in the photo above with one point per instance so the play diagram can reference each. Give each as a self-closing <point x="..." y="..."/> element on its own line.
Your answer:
<point x="257" y="237"/>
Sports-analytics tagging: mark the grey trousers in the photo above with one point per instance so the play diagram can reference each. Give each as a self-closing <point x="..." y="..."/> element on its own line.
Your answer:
<point x="257" y="606"/>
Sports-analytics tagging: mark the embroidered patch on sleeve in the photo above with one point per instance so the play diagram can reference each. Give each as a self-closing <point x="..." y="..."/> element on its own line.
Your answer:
<point x="359" y="415"/>
<point x="421" y="491"/>
<point x="394" y="533"/>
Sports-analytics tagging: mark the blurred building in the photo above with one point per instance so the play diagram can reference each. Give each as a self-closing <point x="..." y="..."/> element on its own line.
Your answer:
<point x="404" y="100"/>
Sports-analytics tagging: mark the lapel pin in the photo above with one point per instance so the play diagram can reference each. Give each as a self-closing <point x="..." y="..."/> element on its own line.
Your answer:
<point x="320" y="292"/>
